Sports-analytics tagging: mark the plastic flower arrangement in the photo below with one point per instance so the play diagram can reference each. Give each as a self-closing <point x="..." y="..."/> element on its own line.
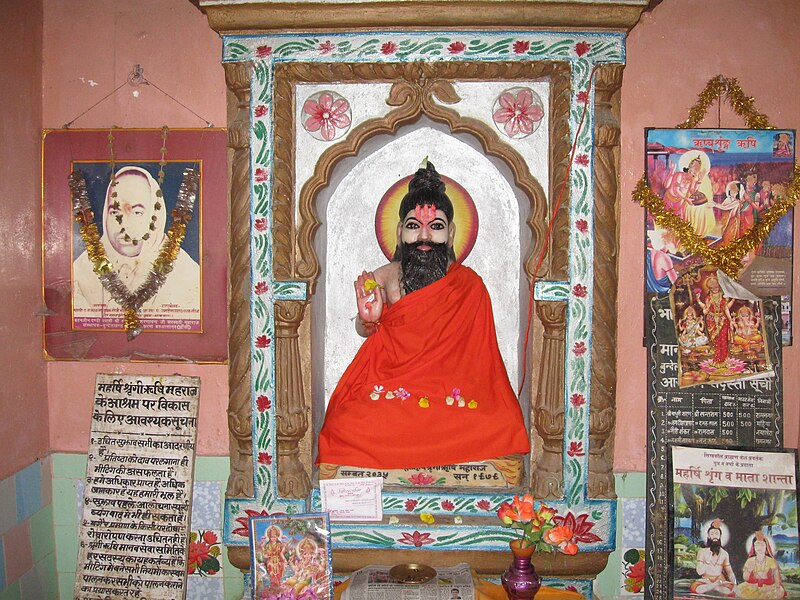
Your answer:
<point x="539" y="531"/>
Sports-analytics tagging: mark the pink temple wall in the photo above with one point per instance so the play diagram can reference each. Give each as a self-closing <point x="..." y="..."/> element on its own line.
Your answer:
<point x="671" y="54"/>
<point x="23" y="400"/>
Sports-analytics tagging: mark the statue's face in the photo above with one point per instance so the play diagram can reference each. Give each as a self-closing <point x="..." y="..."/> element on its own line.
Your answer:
<point x="129" y="214"/>
<point x="421" y="225"/>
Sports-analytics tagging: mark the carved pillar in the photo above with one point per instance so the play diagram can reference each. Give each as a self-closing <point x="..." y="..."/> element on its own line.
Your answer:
<point x="548" y="414"/>
<point x="240" y="481"/>
<point x="292" y="411"/>
<point x="606" y="254"/>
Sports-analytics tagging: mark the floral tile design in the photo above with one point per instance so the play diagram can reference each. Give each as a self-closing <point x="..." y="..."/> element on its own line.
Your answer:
<point x="206" y="509"/>
<point x="204" y="588"/>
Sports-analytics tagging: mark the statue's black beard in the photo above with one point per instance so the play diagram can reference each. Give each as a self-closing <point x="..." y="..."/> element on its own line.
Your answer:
<point x="420" y="268"/>
<point x="714" y="546"/>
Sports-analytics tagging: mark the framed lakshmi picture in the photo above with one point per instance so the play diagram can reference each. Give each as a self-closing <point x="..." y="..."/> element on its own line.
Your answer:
<point x="291" y="557"/>
<point x="722" y="182"/>
<point x="133" y="224"/>
<point x="733" y="523"/>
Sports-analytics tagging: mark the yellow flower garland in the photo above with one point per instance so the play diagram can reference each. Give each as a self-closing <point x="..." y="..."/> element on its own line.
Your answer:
<point x="728" y="257"/>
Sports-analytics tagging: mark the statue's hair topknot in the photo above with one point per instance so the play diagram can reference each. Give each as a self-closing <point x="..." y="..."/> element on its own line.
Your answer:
<point x="426" y="187"/>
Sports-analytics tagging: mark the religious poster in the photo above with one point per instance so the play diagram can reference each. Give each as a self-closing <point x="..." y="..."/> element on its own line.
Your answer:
<point x="734" y="523"/>
<point x="719" y="327"/>
<point x="129" y="226"/>
<point x="137" y="504"/>
<point x="291" y="556"/>
<point x="722" y="182"/>
<point x="735" y="412"/>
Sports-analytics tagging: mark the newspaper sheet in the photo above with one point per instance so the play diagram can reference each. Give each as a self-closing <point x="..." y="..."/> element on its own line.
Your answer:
<point x="373" y="583"/>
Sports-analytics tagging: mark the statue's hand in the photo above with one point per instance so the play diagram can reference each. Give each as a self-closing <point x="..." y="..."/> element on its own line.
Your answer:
<point x="369" y="298"/>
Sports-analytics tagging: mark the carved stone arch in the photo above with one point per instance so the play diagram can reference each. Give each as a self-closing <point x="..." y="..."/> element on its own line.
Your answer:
<point x="416" y="87"/>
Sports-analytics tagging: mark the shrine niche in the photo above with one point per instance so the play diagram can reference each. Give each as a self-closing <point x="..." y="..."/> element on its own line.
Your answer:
<point x="424" y="88"/>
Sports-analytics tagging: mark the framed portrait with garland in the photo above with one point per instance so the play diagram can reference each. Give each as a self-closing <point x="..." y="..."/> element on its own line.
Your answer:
<point x="132" y="223"/>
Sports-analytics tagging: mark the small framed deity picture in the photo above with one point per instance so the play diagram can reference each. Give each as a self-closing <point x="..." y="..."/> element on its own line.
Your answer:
<point x="133" y="223"/>
<point x="291" y="557"/>
<point x="733" y="523"/>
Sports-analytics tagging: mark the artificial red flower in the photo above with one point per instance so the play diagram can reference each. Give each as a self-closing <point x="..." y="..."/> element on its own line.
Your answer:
<point x="416" y="539"/>
<point x="483" y="504"/>
<point x="518" y="112"/>
<point x="456" y="48"/>
<point x="579" y="290"/>
<point x="389" y="48"/>
<point x="265" y="458"/>
<point x="582" y="48"/>
<point x="521" y="47"/>
<point x="579" y="348"/>
<point x="260" y="110"/>
<point x="262" y="287"/>
<point x="410" y="504"/>
<point x="326" y="115"/>
<point x="263" y="341"/>
<point x="261" y="224"/>
<point x="421" y="479"/>
<point x="263" y="51"/>
<point x="263" y="403"/>
<point x="575" y="449"/>
<point x="582" y="160"/>
<point x="577" y="400"/>
<point x="326" y="47"/>
<point x="581" y="225"/>
<point x="448" y="505"/>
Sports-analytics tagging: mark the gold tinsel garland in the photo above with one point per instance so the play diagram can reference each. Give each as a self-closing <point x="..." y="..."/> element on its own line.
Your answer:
<point x="162" y="265"/>
<point x="729" y="257"/>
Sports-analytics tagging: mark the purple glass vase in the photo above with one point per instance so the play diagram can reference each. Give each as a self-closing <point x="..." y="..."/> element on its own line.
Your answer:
<point x="520" y="580"/>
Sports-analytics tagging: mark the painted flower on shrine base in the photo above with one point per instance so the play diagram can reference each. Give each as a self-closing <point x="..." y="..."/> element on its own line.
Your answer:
<point x="579" y="348"/>
<point x="421" y="479"/>
<point x="260" y="224"/>
<point x="582" y="160"/>
<point x="263" y="51"/>
<point x="388" y="48"/>
<point x="263" y="341"/>
<point x="521" y="47"/>
<point x="581" y="225"/>
<point x="582" y="48"/>
<point x="483" y="504"/>
<point x="427" y="518"/>
<point x="577" y="400"/>
<point x="456" y="48"/>
<point x="244" y="521"/>
<point x="580" y="526"/>
<point x="582" y="97"/>
<point x="261" y="288"/>
<point x="575" y="449"/>
<point x="260" y="111"/>
<point x="518" y="112"/>
<point x="263" y="403"/>
<point x="326" y="115"/>
<point x="416" y="539"/>
<point x="410" y="504"/>
<point x="261" y="175"/>
<point x="448" y="505"/>
<point x="633" y="562"/>
<point x="265" y="458"/>
<point x="326" y="47"/>
<point x="579" y="290"/>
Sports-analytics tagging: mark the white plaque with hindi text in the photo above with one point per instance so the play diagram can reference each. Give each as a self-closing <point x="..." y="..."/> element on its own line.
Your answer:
<point x="137" y="501"/>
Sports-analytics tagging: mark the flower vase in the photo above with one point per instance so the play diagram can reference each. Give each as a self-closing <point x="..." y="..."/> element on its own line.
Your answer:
<point x="520" y="580"/>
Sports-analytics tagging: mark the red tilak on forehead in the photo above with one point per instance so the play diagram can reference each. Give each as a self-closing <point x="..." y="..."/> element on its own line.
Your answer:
<point x="425" y="214"/>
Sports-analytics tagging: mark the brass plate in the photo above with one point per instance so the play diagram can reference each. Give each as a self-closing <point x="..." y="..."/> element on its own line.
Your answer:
<point x="412" y="573"/>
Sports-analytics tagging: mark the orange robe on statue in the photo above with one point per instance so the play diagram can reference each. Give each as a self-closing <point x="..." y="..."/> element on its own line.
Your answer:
<point x="436" y="342"/>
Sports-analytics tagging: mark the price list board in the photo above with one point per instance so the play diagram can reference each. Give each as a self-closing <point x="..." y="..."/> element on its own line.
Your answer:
<point x="742" y="413"/>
